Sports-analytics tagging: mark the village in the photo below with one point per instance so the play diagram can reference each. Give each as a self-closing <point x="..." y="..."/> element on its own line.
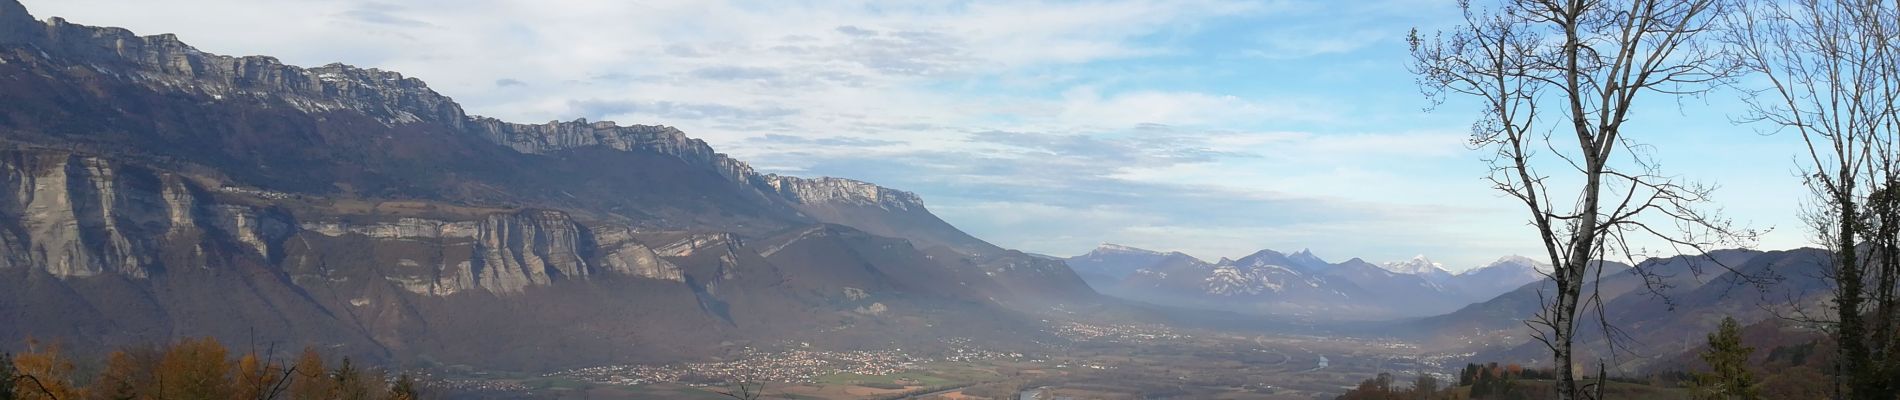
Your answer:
<point x="788" y="366"/>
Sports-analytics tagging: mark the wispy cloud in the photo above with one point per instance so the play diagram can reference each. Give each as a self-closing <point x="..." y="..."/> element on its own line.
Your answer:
<point x="1200" y="125"/>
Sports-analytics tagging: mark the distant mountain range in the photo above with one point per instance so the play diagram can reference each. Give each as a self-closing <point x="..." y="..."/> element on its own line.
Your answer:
<point x="154" y="191"/>
<point x="1661" y="307"/>
<point x="1300" y="283"/>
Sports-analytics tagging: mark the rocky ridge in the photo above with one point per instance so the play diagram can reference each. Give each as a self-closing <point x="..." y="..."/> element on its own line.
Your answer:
<point x="155" y="191"/>
<point x="165" y="63"/>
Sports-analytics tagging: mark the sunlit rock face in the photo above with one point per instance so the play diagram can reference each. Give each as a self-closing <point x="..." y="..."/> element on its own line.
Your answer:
<point x="508" y="252"/>
<point x="79" y="216"/>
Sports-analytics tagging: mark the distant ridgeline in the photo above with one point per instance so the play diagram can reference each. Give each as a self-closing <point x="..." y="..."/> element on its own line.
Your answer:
<point x="156" y="192"/>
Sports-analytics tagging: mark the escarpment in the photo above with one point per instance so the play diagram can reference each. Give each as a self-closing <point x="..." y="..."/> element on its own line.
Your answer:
<point x="157" y="191"/>
<point x="80" y="216"/>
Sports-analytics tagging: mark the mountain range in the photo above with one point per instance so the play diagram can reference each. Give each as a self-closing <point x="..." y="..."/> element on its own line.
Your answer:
<point x="1660" y="308"/>
<point x="155" y="191"/>
<point x="151" y="191"/>
<point x="1300" y="283"/>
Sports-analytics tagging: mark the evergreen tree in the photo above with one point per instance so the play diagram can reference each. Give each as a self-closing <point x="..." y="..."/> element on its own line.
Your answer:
<point x="7" y="377"/>
<point x="1424" y="387"/>
<point x="404" y="389"/>
<point x="1728" y="377"/>
<point x="1481" y="382"/>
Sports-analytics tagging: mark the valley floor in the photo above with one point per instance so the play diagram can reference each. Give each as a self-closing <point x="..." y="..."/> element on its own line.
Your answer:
<point x="1093" y="361"/>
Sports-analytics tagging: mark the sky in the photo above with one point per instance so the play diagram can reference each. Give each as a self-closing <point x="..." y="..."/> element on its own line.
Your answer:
<point x="1215" y="128"/>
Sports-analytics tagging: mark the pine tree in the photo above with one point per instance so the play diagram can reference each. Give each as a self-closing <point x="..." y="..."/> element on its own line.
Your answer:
<point x="1728" y="377"/>
<point x="1424" y="387"/>
<point x="404" y="389"/>
<point x="7" y="376"/>
<point x="1481" y="382"/>
<point x="350" y="382"/>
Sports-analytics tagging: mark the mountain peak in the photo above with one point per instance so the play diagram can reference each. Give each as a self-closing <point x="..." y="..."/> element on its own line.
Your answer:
<point x="1515" y="261"/>
<point x="1116" y="248"/>
<point x="1419" y="265"/>
<point x="1264" y="253"/>
<point x="16" y="24"/>
<point x="1307" y="261"/>
<point x="844" y="191"/>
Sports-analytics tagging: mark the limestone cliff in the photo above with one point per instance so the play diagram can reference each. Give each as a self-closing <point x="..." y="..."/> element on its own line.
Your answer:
<point x="80" y="216"/>
<point x="503" y="253"/>
<point x="165" y="64"/>
<point x="155" y="191"/>
<point x="840" y="191"/>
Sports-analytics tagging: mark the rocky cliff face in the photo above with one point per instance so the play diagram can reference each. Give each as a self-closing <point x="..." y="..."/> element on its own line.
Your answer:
<point x="80" y="216"/>
<point x="556" y="136"/>
<point x="840" y="191"/>
<point x="508" y="252"/>
<point x="154" y="191"/>
<point x="163" y="62"/>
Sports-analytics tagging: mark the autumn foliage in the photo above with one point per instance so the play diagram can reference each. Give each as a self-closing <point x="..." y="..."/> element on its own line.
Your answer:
<point x="195" y="369"/>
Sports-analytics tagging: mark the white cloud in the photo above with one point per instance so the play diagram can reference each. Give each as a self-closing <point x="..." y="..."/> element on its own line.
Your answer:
<point x="988" y="102"/>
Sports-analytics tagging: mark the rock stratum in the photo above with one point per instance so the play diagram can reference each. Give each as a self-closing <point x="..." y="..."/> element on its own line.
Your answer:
<point x="155" y="191"/>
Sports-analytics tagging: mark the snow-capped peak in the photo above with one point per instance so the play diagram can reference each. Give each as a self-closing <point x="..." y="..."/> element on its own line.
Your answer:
<point x="1116" y="248"/>
<point x="1416" y="266"/>
<point x="1515" y="261"/>
<point x="1305" y="256"/>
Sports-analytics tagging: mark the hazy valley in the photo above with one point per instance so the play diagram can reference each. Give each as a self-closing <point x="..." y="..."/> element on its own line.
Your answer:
<point x="155" y="194"/>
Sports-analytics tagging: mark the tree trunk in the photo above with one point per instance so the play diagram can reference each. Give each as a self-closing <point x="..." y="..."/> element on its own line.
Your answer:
<point x="1853" y="348"/>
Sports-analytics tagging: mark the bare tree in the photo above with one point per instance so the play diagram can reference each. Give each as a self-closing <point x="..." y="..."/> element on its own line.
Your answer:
<point x="742" y="390"/>
<point x="1829" y="70"/>
<point x="1557" y="81"/>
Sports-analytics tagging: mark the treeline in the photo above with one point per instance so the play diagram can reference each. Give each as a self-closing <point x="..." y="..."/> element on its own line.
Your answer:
<point x="1425" y="387"/>
<point x="1487" y="381"/>
<point x="1794" y="371"/>
<point x="195" y="369"/>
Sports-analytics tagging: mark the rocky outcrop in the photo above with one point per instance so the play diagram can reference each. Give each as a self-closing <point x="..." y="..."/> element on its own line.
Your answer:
<point x="556" y="135"/>
<point x="508" y="252"/>
<point x="828" y="190"/>
<point x="167" y="64"/>
<point x="78" y="216"/>
<point x="691" y="245"/>
<point x="620" y="253"/>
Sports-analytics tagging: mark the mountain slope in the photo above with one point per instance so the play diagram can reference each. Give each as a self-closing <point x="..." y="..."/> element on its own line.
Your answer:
<point x="1501" y="276"/>
<point x="1109" y="264"/>
<point x="1654" y="305"/>
<point x="155" y="191"/>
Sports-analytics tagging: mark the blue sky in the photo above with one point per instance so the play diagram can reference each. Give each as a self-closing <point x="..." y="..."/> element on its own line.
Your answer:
<point x="1211" y="127"/>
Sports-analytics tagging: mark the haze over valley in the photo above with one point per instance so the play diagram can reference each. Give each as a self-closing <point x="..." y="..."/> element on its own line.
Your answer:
<point x="978" y="200"/>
